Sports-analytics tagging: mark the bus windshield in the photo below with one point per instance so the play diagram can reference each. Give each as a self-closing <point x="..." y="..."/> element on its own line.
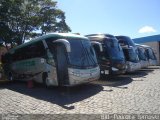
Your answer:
<point x="130" y="55"/>
<point x="113" y="49"/>
<point x="141" y="54"/>
<point x="82" y="53"/>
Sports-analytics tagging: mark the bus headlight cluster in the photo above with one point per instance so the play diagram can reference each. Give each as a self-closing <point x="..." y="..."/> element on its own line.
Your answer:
<point x="76" y="74"/>
<point x="114" y="69"/>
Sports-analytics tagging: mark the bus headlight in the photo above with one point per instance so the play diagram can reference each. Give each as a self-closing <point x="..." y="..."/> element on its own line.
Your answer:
<point x="114" y="69"/>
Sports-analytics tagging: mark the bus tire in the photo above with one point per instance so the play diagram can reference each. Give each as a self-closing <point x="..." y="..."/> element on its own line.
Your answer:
<point x="10" y="77"/>
<point x="45" y="80"/>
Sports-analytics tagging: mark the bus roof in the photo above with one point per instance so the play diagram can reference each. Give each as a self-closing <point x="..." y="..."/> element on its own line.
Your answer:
<point x="141" y="45"/>
<point x="126" y="39"/>
<point x="145" y="46"/>
<point x="60" y="35"/>
<point x="100" y="36"/>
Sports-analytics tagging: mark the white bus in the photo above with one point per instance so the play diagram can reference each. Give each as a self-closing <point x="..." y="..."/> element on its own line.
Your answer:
<point x="142" y="56"/>
<point x="132" y="60"/>
<point x="55" y="59"/>
<point x="130" y="53"/>
<point x="150" y="55"/>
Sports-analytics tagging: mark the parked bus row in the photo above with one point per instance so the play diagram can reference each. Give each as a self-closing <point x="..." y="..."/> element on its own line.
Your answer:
<point x="120" y="54"/>
<point x="63" y="59"/>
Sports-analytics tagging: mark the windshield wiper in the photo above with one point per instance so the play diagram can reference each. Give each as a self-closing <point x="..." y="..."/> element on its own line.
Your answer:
<point x="89" y="58"/>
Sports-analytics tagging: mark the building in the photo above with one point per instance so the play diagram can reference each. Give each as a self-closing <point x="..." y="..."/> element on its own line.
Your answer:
<point x="153" y="41"/>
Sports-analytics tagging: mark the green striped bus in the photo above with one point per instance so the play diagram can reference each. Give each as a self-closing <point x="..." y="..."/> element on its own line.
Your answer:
<point x="55" y="59"/>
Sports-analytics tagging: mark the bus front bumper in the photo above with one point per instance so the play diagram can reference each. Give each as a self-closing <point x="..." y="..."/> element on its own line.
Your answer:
<point x="80" y="76"/>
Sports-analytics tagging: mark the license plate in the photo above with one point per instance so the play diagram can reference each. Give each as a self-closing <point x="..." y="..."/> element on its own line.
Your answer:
<point x="106" y="72"/>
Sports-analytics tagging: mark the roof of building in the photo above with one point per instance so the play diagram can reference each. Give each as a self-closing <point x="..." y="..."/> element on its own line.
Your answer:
<point x="153" y="38"/>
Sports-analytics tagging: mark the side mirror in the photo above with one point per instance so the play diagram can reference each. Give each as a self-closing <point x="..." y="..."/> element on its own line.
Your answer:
<point x="50" y="59"/>
<point x="122" y="44"/>
<point x="99" y="45"/>
<point x="65" y="42"/>
<point x="126" y="46"/>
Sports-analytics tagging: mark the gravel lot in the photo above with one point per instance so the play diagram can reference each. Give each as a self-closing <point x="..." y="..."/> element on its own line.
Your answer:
<point x="136" y="93"/>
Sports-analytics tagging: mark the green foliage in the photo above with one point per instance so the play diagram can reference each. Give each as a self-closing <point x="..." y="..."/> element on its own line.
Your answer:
<point x="0" y="67"/>
<point x="2" y="76"/>
<point x="19" y="19"/>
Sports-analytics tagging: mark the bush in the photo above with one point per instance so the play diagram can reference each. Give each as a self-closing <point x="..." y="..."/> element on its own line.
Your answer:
<point x="2" y="76"/>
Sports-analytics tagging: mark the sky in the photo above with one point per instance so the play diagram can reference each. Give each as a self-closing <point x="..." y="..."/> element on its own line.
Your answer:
<point x="133" y="18"/>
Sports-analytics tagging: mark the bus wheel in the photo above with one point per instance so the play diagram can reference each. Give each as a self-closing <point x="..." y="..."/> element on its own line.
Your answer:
<point x="10" y="77"/>
<point x="45" y="79"/>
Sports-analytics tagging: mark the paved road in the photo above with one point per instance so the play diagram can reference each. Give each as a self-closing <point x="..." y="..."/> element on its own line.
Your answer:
<point x="134" y="93"/>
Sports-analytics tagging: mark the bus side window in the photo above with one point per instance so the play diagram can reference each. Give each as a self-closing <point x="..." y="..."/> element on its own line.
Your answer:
<point x="15" y="56"/>
<point x="41" y="49"/>
<point x="36" y="50"/>
<point x="19" y="55"/>
<point x="28" y="52"/>
<point x="51" y="46"/>
<point x="6" y="58"/>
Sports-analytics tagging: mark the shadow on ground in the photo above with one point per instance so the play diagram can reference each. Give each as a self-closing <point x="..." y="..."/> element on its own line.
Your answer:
<point x="140" y="73"/>
<point x="117" y="81"/>
<point x="153" y="67"/>
<point x="61" y="96"/>
<point x="64" y="96"/>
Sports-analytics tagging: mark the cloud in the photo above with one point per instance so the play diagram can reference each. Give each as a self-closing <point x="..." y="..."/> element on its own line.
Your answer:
<point x="147" y="29"/>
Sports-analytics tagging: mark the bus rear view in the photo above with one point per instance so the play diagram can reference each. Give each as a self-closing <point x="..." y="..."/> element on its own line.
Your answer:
<point x="109" y="53"/>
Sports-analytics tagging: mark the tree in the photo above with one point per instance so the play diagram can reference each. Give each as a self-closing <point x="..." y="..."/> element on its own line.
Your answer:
<point x="6" y="34"/>
<point x="22" y="18"/>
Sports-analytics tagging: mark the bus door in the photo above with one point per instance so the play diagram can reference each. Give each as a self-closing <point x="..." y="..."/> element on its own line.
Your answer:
<point x="61" y="60"/>
<point x="61" y="48"/>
